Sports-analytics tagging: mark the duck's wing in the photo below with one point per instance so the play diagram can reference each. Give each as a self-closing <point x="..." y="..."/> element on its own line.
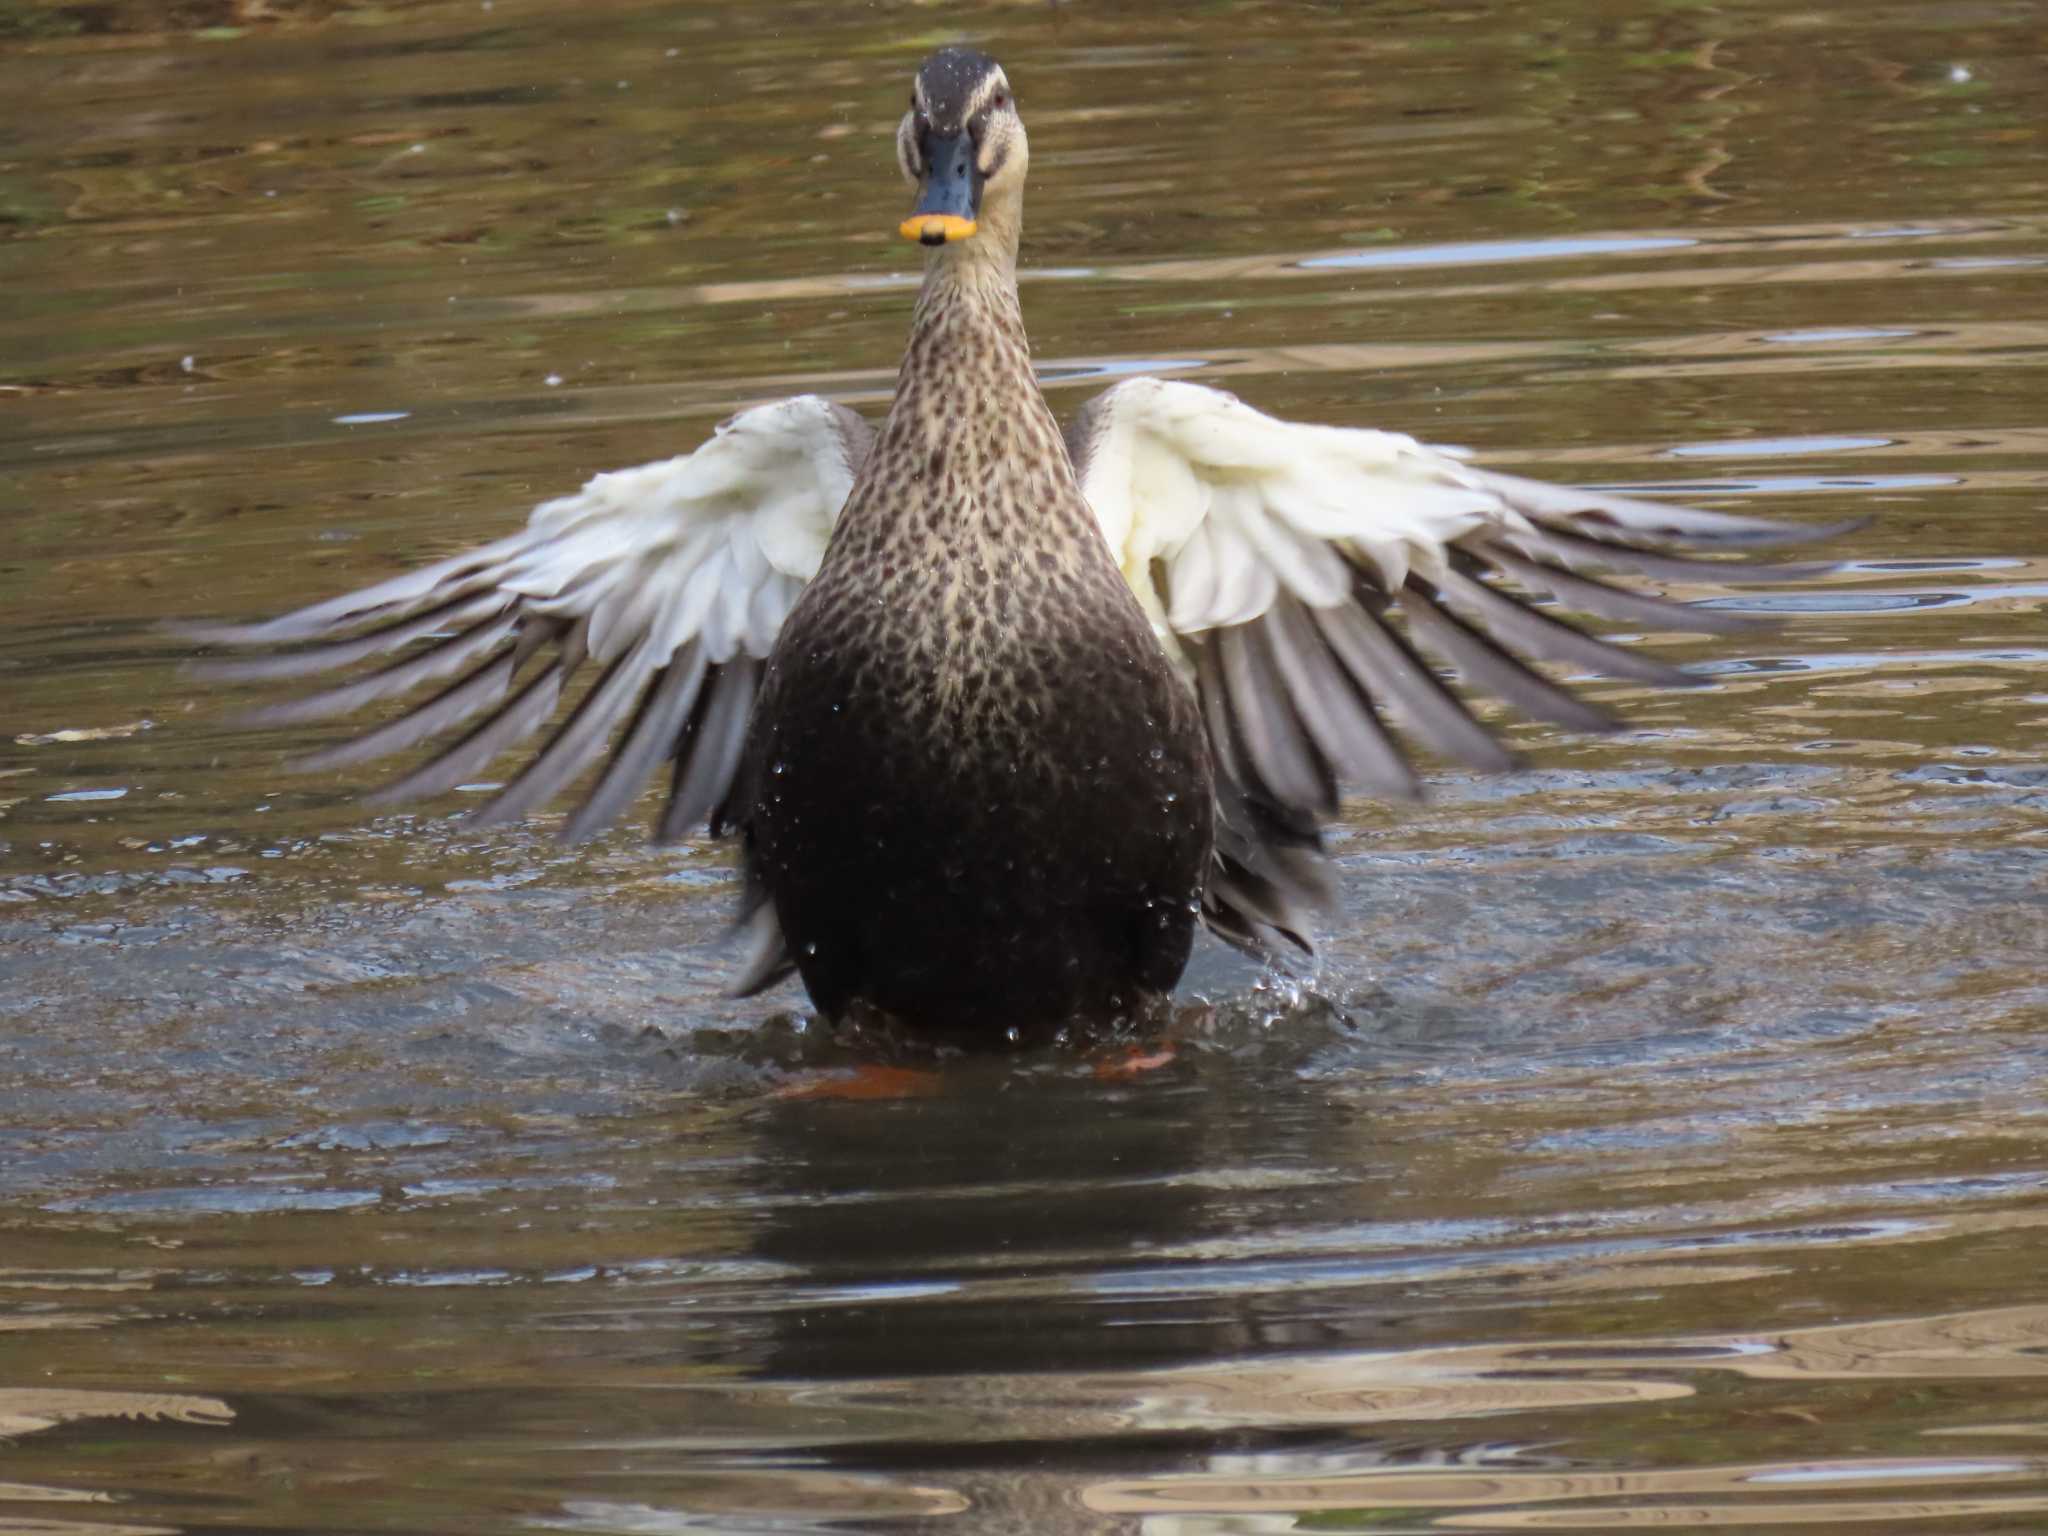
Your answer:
<point x="669" y="580"/>
<point x="1315" y="580"/>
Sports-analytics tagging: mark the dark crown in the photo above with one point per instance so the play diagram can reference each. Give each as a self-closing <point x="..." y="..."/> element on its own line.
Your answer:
<point x="947" y="82"/>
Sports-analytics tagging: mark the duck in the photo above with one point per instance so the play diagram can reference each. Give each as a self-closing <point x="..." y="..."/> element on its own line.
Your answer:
<point x="999" y="714"/>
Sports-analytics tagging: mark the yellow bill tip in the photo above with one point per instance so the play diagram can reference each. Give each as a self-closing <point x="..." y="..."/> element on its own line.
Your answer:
<point x="936" y="228"/>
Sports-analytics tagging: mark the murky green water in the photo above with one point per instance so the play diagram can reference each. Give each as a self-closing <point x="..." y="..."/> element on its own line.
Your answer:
<point x="1669" y="1142"/>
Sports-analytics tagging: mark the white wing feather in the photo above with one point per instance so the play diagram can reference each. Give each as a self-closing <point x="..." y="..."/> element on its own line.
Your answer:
<point x="1179" y="472"/>
<point x="1284" y="550"/>
<point x="673" y="577"/>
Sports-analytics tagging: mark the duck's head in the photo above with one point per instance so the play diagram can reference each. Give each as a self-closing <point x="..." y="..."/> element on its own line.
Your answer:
<point x="962" y="146"/>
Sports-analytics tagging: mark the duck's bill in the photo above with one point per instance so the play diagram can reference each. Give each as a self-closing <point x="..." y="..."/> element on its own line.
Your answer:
<point x="949" y="202"/>
<point x="936" y="228"/>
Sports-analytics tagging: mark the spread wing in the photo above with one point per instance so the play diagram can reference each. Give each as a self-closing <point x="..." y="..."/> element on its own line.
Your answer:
<point x="670" y="581"/>
<point x="1315" y="581"/>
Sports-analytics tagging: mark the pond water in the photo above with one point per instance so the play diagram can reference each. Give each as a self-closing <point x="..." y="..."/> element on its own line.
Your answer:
<point x="1665" y="1141"/>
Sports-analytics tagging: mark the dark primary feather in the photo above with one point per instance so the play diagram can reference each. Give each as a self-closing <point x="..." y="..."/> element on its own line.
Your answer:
<point x="1574" y="548"/>
<point x="575" y="743"/>
<point x="1300" y="700"/>
<point x="1518" y="624"/>
<point x="710" y="750"/>
<point x="456" y="613"/>
<point x="515" y="657"/>
<point x="1278" y="753"/>
<point x="1491" y="670"/>
<point x="520" y="717"/>
<point x="1590" y="595"/>
<point x="765" y="957"/>
<point x="1335" y="711"/>
<point x="398" y="677"/>
<point x="652" y="701"/>
<point x="1388" y="670"/>
<point x="1268" y="878"/>
<point x="417" y="592"/>
<point x="648" y="739"/>
<point x="475" y="690"/>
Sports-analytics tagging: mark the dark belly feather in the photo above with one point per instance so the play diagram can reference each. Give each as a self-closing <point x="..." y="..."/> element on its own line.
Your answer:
<point x="1008" y="864"/>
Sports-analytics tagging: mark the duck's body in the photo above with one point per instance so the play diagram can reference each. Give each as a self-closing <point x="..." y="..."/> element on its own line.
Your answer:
<point x="1024" y="717"/>
<point x="919" y="871"/>
<point x="976" y="790"/>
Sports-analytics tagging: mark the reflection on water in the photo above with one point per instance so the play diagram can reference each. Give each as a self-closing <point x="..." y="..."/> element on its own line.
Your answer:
<point x="1486" y="252"/>
<point x="1751" y="448"/>
<point x="1663" y="1142"/>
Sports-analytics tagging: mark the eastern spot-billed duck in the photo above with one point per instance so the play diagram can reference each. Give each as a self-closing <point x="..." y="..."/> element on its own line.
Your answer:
<point x="999" y="717"/>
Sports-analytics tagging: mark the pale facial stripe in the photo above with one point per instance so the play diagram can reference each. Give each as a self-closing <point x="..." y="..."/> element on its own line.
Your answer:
<point x="991" y="85"/>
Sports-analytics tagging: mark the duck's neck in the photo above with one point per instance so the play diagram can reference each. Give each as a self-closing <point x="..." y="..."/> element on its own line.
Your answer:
<point x="967" y="351"/>
<point x="969" y="467"/>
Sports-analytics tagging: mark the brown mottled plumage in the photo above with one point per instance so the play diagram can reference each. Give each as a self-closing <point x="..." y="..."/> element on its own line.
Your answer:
<point x="976" y="791"/>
